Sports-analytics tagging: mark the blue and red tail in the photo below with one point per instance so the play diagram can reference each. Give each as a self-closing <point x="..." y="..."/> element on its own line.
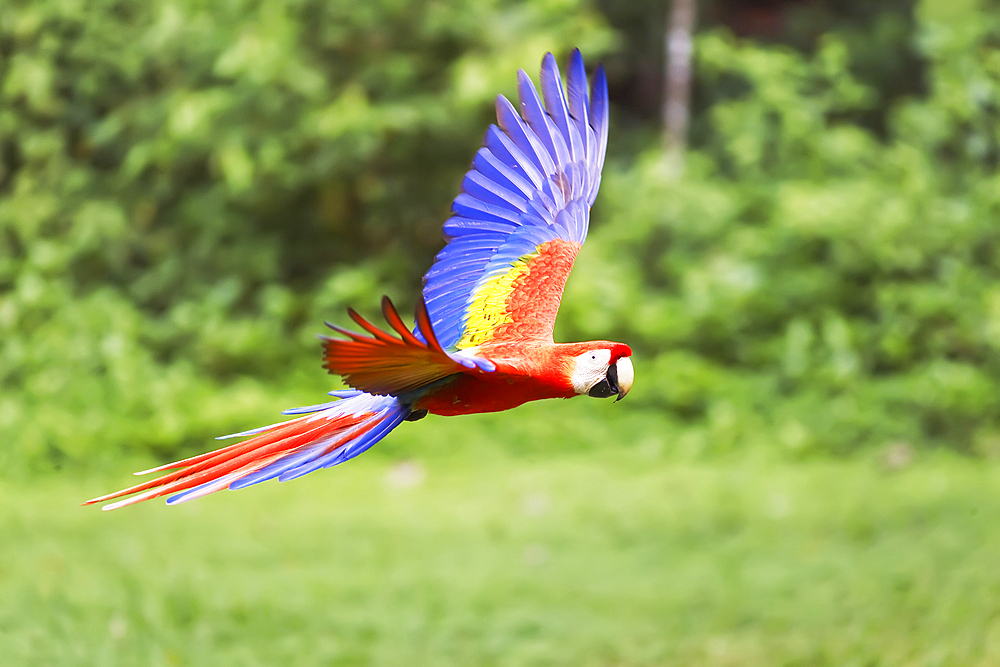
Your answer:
<point x="324" y="436"/>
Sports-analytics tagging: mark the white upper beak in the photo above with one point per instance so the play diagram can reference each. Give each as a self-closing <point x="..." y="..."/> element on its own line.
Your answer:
<point x="625" y="376"/>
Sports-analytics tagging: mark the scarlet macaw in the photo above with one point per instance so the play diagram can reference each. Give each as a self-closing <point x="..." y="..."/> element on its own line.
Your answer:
<point x="483" y="336"/>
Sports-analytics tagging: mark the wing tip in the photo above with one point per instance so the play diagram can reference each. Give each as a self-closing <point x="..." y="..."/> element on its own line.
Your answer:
<point x="549" y="62"/>
<point x="599" y="85"/>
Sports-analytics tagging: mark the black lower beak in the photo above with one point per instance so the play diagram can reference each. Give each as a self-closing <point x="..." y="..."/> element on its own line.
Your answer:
<point x="608" y="386"/>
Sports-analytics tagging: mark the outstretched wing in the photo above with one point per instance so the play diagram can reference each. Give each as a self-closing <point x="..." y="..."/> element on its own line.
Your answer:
<point x="523" y="213"/>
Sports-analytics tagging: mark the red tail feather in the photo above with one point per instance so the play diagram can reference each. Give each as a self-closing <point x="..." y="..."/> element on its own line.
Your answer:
<point x="244" y="457"/>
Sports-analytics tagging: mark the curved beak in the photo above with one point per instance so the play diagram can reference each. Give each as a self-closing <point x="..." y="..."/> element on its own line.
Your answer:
<point x="617" y="381"/>
<point x="625" y="373"/>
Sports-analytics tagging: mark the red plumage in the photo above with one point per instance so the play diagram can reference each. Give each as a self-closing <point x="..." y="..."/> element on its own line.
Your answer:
<point x="483" y="335"/>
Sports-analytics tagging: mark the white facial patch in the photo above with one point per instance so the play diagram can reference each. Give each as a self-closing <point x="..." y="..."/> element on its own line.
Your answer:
<point x="591" y="368"/>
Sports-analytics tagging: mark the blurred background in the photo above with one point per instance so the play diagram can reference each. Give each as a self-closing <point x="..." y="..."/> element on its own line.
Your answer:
<point x="796" y="233"/>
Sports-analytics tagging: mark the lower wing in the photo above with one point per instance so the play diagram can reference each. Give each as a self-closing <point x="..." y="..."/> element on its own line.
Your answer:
<point x="384" y="364"/>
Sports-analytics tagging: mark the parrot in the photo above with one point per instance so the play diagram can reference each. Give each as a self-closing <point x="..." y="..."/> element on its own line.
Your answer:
<point x="483" y="334"/>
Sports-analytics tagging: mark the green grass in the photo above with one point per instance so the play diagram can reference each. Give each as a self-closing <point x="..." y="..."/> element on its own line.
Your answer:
<point x="613" y="558"/>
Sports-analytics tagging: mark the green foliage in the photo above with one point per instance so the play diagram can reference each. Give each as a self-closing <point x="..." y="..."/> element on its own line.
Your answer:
<point x="807" y="285"/>
<point x="187" y="189"/>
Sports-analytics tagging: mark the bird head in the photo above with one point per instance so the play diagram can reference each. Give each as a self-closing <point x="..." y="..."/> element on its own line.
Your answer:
<point x="603" y="370"/>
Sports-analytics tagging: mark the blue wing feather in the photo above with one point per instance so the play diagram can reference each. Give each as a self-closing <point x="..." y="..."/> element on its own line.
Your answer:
<point x="538" y="214"/>
<point x="486" y="190"/>
<point x="491" y="167"/>
<point x="452" y="282"/>
<point x="463" y="226"/>
<point x="449" y="271"/>
<point x="452" y="260"/>
<point x="557" y="107"/>
<point x="533" y="181"/>
<point x="576" y="83"/>
<point x="554" y="192"/>
<point x="599" y="122"/>
<point x="524" y="137"/>
<point x="468" y="206"/>
<point x="448" y="295"/>
<point x="505" y="150"/>
<point x="474" y="242"/>
<point x="539" y="122"/>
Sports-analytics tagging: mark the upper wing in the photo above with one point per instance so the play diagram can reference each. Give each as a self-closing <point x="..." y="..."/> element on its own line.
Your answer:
<point x="522" y="214"/>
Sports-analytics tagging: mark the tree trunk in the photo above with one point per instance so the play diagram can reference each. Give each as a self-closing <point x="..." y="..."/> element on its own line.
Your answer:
<point x="677" y="84"/>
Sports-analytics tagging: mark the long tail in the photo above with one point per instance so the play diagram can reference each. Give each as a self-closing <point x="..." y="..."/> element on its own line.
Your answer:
<point x="326" y="435"/>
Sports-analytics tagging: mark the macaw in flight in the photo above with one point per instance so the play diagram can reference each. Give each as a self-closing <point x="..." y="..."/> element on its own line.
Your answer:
<point x="483" y="335"/>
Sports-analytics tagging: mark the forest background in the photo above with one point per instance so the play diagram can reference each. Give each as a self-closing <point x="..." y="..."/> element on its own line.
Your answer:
<point x="188" y="189"/>
<point x="188" y="193"/>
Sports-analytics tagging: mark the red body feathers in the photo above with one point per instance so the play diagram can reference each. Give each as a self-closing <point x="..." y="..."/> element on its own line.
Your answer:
<point x="483" y="335"/>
